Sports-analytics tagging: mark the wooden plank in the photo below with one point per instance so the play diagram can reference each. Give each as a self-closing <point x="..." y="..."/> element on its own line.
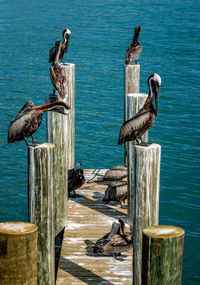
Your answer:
<point x="88" y="220"/>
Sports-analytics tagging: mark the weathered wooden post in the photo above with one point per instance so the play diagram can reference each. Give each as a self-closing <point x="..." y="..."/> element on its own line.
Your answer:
<point x="41" y="207"/>
<point x="131" y="85"/>
<point x="135" y="102"/>
<point x="146" y="198"/>
<point x="162" y="255"/>
<point x="61" y="132"/>
<point x="18" y="253"/>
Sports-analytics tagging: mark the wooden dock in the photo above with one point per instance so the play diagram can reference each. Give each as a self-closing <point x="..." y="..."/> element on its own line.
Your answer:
<point x="88" y="220"/>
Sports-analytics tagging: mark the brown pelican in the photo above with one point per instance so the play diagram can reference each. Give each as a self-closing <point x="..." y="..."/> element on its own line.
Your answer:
<point x="118" y="172"/>
<point x="116" y="191"/>
<point x="75" y="178"/>
<point x="134" y="128"/>
<point x="29" y="119"/>
<point x="116" y="241"/>
<point x="53" y="51"/>
<point x="134" y="50"/>
<point x="57" y="74"/>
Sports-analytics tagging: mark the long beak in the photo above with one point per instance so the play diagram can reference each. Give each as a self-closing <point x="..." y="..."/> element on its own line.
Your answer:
<point x="57" y="106"/>
<point x="157" y="98"/>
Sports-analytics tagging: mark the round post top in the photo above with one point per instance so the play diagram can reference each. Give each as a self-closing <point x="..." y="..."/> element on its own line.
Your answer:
<point x="17" y="228"/>
<point x="163" y="231"/>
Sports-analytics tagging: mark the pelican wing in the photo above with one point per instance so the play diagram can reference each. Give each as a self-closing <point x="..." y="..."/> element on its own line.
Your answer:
<point x="52" y="54"/>
<point x="24" y="126"/>
<point x="28" y="106"/>
<point x="130" y="128"/>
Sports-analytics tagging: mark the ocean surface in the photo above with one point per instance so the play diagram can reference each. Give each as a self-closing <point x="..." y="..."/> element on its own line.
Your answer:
<point x="101" y="32"/>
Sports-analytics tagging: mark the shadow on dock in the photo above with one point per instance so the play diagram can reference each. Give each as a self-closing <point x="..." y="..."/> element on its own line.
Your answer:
<point x="99" y="206"/>
<point x="81" y="273"/>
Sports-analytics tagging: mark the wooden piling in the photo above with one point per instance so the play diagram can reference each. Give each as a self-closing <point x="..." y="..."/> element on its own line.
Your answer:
<point x="146" y="198"/>
<point x="69" y="98"/>
<point x="41" y="207"/>
<point x="18" y="253"/>
<point x="162" y="255"/>
<point x="135" y="102"/>
<point x="131" y="85"/>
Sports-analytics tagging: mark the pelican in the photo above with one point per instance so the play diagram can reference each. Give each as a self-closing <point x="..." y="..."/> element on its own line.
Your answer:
<point x="57" y="74"/>
<point x="134" y="50"/>
<point x="53" y="51"/>
<point x="116" y="241"/>
<point x="134" y="128"/>
<point x="29" y="118"/>
<point x="116" y="191"/>
<point x="76" y="178"/>
<point x="118" y="172"/>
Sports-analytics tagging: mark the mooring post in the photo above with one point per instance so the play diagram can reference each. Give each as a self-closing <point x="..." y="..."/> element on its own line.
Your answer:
<point x="41" y="207"/>
<point x="146" y="198"/>
<point x="131" y="85"/>
<point x="18" y="253"/>
<point x="134" y="103"/>
<point x="162" y="255"/>
<point x="70" y="119"/>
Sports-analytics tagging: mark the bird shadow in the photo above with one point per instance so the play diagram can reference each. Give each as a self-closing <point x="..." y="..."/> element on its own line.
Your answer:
<point x="145" y="144"/>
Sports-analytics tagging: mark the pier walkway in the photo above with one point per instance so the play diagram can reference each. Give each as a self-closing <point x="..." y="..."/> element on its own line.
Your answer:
<point x="88" y="220"/>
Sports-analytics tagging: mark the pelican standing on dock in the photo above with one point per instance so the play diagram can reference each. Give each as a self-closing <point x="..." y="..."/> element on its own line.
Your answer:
<point x="134" y="128"/>
<point x="53" y="51"/>
<point x="134" y="50"/>
<point x="57" y="74"/>
<point x="76" y="178"/>
<point x="116" y="191"/>
<point x="118" y="173"/>
<point x="116" y="241"/>
<point x="29" y="119"/>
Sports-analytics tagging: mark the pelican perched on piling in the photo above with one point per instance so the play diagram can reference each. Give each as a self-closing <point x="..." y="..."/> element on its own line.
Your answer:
<point x="116" y="241"/>
<point x="29" y="119"/>
<point x="57" y="74"/>
<point x="53" y="51"/>
<point x="134" y="128"/>
<point x="134" y="50"/>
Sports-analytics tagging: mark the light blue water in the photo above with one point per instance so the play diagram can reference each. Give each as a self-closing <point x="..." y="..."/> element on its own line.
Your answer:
<point x="101" y="31"/>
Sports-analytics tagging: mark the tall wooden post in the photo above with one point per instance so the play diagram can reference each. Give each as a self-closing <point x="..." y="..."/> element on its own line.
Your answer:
<point x="146" y="198"/>
<point x="18" y="253"/>
<point x="70" y="119"/>
<point x="162" y="255"/>
<point x="134" y="103"/>
<point x="41" y="207"/>
<point x="131" y="85"/>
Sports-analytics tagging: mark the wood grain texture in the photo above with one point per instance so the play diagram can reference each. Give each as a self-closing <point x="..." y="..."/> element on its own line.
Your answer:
<point x="134" y="103"/>
<point x="88" y="220"/>
<point x="146" y="198"/>
<point x="162" y="255"/>
<point x="18" y="253"/>
<point x="41" y="207"/>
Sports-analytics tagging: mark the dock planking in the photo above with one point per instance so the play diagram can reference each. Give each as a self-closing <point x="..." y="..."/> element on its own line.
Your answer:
<point x="88" y="220"/>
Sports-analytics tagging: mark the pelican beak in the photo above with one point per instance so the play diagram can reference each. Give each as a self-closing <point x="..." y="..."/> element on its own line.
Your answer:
<point x="61" y="109"/>
<point x="157" y="98"/>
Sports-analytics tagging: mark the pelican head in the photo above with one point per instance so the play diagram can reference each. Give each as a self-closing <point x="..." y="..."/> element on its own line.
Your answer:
<point x="66" y="34"/>
<point x="154" y="82"/>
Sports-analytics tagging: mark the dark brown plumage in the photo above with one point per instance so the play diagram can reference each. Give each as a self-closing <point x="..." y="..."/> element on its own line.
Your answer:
<point x="134" y="50"/>
<point x="134" y="128"/>
<point x="76" y="178"/>
<point x="116" y="191"/>
<point x="57" y="75"/>
<point x="53" y="51"/>
<point x="29" y="118"/>
<point x="118" y="172"/>
<point x="116" y="241"/>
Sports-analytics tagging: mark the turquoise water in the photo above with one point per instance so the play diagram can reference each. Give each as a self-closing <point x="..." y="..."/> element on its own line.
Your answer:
<point x="101" y="32"/>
